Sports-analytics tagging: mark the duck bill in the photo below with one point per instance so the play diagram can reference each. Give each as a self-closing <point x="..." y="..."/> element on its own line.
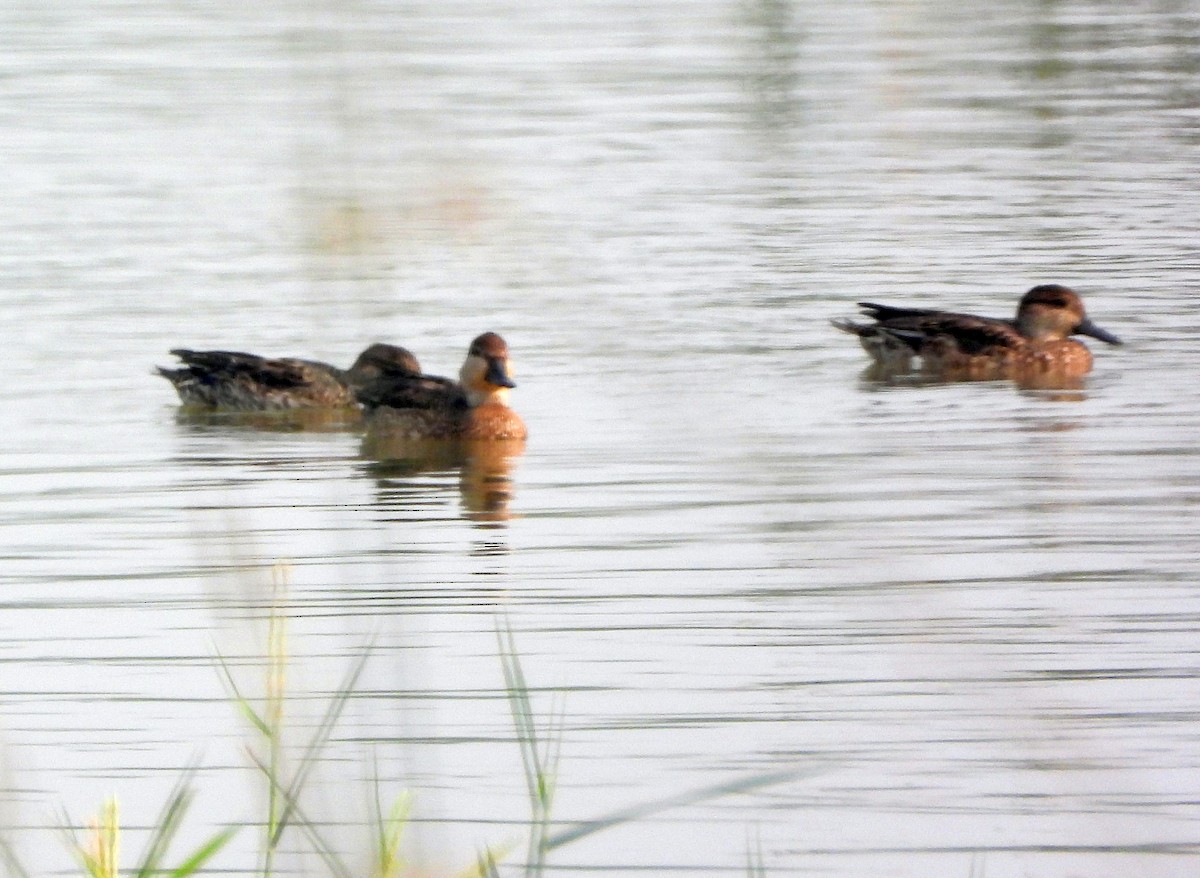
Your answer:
<point x="1089" y="328"/>
<point x="497" y="373"/>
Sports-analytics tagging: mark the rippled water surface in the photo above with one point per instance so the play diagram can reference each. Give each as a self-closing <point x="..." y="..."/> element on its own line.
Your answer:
<point x="965" y="616"/>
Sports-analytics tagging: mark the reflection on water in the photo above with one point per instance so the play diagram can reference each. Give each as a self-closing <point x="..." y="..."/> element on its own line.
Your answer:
<point x="485" y="470"/>
<point x="311" y="420"/>
<point x="1069" y="388"/>
<point x="724" y="550"/>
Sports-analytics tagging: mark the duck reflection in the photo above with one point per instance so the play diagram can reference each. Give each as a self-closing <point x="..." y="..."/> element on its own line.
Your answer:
<point x="484" y="468"/>
<point x="1048" y="386"/>
<point x="311" y="420"/>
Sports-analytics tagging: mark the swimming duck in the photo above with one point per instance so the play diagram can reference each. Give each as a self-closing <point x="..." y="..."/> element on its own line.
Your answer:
<point x="234" y="381"/>
<point x="964" y="346"/>
<point x="428" y="407"/>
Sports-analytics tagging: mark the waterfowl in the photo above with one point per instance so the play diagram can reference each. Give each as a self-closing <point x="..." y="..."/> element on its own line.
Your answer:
<point x="963" y="346"/>
<point x="428" y="407"/>
<point x="234" y="381"/>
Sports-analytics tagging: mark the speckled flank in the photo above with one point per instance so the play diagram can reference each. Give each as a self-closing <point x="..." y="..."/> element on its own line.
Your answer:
<point x="1065" y="357"/>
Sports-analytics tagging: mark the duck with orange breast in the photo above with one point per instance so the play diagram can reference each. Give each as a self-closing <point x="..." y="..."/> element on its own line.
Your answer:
<point x="1036" y="344"/>
<point x="427" y="407"/>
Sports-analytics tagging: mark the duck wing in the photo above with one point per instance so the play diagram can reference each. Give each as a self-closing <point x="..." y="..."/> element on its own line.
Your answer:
<point x="884" y="313"/>
<point x="273" y="373"/>
<point x="918" y="326"/>
<point x="412" y="392"/>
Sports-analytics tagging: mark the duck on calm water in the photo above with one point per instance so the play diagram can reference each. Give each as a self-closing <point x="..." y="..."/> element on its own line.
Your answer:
<point x="238" y="382"/>
<point x="954" y="346"/>
<point x="428" y="407"/>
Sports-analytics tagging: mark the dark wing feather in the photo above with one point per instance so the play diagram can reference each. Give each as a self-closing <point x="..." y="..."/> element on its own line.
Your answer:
<point x="884" y="313"/>
<point x="281" y="374"/>
<point x="412" y="392"/>
<point x="216" y="360"/>
<point x="971" y="334"/>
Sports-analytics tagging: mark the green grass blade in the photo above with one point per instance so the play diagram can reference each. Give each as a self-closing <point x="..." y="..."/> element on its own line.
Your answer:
<point x="106" y="832"/>
<point x="978" y="864"/>
<point x="486" y="866"/>
<point x="203" y="853"/>
<point x="636" y="812"/>
<point x="539" y="752"/>
<point x="13" y="864"/>
<point x="389" y="830"/>
<point x="241" y="701"/>
<point x="755" y="867"/>
<point x="300" y="819"/>
<point x="521" y="709"/>
<point x="167" y="825"/>
<point x="487" y="861"/>
<point x="320" y="738"/>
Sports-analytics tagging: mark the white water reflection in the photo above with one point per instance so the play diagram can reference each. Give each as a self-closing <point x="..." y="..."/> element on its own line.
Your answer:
<point x="969" y="608"/>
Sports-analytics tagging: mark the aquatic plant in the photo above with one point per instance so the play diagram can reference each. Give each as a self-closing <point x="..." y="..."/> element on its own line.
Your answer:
<point x="99" y="852"/>
<point x="389" y="829"/>
<point x="284" y="787"/>
<point x="540" y="755"/>
<point x="755" y="867"/>
<point x="539" y="751"/>
<point x="540" y="744"/>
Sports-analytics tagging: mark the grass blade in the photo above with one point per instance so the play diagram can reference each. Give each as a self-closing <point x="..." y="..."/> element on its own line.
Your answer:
<point x="485" y="866"/>
<point x="167" y="825"/>
<point x="320" y="738"/>
<point x="978" y="864"/>
<point x="389" y="829"/>
<point x="755" y="867"/>
<point x="240" y="700"/>
<point x="203" y="853"/>
<point x="539" y="758"/>
<point x="101" y="857"/>
<point x="636" y="812"/>
<point x="487" y="862"/>
<point x="15" y="866"/>
<point x="299" y="818"/>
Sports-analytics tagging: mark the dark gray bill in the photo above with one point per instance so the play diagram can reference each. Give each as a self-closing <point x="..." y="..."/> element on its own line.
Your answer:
<point x="1087" y="327"/>
<point x="497" y="374"/>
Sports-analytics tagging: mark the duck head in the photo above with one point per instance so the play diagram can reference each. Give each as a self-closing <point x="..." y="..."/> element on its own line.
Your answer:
<point x="485" y="374"/>
<point x="1052" y="312"/>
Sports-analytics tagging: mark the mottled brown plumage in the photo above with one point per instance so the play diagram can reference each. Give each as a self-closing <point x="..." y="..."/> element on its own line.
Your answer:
<point x="235" y="381"/>
<point x="966" y="347"/>
<point x="428" y="407"/>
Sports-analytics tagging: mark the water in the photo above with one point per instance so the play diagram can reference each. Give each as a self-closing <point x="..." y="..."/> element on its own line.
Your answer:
<point x="965" y="615"/>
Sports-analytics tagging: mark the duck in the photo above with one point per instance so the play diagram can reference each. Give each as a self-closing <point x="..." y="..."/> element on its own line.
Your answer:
<point x="239" y="382"/>
<point x="476" y="407"/>
<point x="1036" y="343"/>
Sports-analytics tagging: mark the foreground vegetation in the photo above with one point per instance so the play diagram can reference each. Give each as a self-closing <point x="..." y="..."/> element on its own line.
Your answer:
<point x="97" y="848"/>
